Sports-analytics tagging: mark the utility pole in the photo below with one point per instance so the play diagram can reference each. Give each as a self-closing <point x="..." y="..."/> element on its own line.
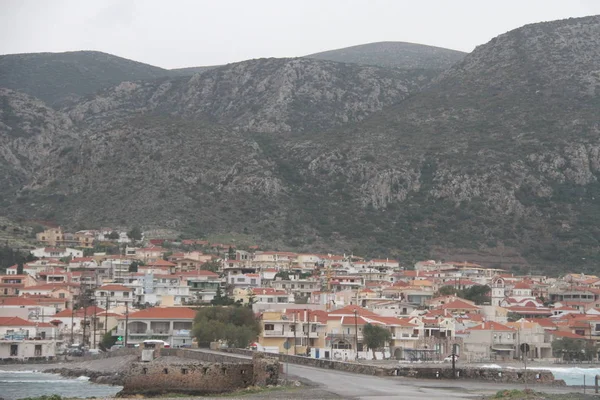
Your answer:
<point x="84" y="322"/>
<point x="295" y="329"/>
<point x="308" y="333"/>
<point x="356" y="331"/>
<point x="106" y="316"/>
<point x="95" y="318"/>
<point x="72" y="321"/>
<point x="126" y="321"/>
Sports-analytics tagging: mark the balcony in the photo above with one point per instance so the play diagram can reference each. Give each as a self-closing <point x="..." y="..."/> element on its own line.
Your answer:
<point x="275" y="333"/>
<point x="406" y="336"/>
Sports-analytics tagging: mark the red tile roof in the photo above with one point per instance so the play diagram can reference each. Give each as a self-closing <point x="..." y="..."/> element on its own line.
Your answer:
<point x="459" y="304"/>
<point x="491" y="326"/>
<point x="564" y="334"/>
<point x="115" y="288"/>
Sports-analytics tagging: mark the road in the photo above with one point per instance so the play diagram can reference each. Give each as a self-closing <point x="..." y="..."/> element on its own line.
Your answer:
<point x="366" y="387"/>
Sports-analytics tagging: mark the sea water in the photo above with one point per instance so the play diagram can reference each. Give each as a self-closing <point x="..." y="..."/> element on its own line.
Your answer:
<point x="573" y="376"/>
<point x="20" y="384"/>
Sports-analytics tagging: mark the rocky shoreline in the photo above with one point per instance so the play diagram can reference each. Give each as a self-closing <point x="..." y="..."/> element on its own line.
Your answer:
<point x="99" y="377"/>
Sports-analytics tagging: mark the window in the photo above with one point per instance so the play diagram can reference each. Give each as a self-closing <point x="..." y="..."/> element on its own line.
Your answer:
<point x="125" y="294"/>
<point x="112" y="293"/>
<point x="61" y="295"/>
<point x="14" y="350"/>
<point x="38" y="350"/>
<point x="240" y="279"/>
<point x="253" y="281"/>
<point x="269" y="327"/>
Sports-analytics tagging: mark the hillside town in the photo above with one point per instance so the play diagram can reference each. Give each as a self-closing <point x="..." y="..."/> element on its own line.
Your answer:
<point x="309" y="304"/>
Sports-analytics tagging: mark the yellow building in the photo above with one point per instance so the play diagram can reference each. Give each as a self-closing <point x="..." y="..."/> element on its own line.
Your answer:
<point x="300" y="329"/>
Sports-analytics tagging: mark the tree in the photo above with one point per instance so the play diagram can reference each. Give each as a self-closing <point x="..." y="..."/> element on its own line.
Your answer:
<point x="221" y="300"/>
<point x="20" y="268"/>
<point x="572" y="349"/>
<point x="114" y="235"/>
<point x="447" y="290"/>
<point x="108" y="340"/>
<point x="133" y="267"/>
<point x="236" y="326"/>
<point x="478" y="294"/>
<point x="375" y="337"/>
<point x="231" y="253"/>
<point x="135" y="234"/>
<point x="212" y="266"/>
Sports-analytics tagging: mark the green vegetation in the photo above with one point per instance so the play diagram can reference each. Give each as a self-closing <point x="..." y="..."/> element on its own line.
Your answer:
<point x="235" y="326"/>
<point x="108" y="340"/>
<point x="571" y="349"/>
<point x="375" y="337"/>
<point x="479" y="294"/>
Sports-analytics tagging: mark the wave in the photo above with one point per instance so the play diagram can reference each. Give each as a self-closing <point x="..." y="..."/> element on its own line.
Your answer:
<point x="19" y="372"/>
<point x="83" y="378"/>
<point x="37" y="381"/>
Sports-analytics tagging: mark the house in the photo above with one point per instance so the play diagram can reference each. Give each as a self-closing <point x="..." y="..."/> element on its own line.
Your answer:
<point x="150" y="253"/>
<point x="13" y="327"/>
<point x="294" y="332"/>
<point x="158" y="267"/>
<point x="202" y="284"/>
<point x="26" y="308"/>
<point x="114" y="295"/>
<point x="244" y="280"/>
<point x="261" y="296"/>
<point x="171" y="324"/>
<point x="11" y="285"/>
<point x="490" y="341"/>
<point x="54" y="252"/>
<point x="82" y="262"/>
<point x="16" y="343"/>
<point x="62" y="291"/>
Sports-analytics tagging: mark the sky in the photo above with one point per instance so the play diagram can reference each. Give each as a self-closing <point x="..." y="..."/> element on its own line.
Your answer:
<point x="185" y="33"/>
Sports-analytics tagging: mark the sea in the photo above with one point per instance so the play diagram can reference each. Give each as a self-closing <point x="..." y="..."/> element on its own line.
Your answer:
<point x="21" y="384"/>
<point x="573" y="376"/>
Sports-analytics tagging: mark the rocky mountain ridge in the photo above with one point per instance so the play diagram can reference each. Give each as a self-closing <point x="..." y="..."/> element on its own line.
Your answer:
<point x="499" y="155"/>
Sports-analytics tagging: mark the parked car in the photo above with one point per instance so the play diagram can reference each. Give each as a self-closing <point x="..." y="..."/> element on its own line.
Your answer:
<point x="116" y="347"/>
<point x="449" y="358"/>
<point x="94" y="352"/>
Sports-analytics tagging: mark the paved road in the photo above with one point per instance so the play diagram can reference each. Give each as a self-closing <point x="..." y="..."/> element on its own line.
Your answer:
<point x="366" y="387"/>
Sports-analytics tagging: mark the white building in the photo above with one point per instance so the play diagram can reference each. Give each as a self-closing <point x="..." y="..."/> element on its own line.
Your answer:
<point x="52" y="252"/>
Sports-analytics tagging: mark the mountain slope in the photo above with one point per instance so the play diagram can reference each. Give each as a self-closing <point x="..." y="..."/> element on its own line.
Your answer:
<point x="264" y="95"/>
<point x="498" y="159"/>
<point x="503" y="151"/>
<point x="59" y="77"/>
<point x="394" y="54"/>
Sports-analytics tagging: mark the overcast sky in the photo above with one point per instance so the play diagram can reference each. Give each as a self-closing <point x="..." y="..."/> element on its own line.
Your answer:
<point x="183" y="33"/>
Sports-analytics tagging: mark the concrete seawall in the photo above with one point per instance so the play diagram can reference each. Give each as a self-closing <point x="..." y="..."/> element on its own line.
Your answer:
<point x="421" y="371"/>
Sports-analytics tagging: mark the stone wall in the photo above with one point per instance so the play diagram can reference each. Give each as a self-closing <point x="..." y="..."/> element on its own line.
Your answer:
<point x="423" y="371"/>
<point x="158" y="377"/>
<point x="266" y="370"/>
<point x="199" y="373"/>
<point x="321" y="363"/>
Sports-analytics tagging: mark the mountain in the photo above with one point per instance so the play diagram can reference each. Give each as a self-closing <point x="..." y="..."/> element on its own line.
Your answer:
<point x="190" y="70"/>
<point x="59" y="77"/>
<point x="501" y="153"/>
<point x="394" y="54"/>
<point x="496" y="160"/>
<point x="264" y="95"/>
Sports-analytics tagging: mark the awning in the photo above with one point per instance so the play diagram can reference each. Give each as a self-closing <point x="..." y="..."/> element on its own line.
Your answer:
<point x="497" y="348"/>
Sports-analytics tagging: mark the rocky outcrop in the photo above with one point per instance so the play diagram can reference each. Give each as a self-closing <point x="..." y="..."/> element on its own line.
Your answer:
<point x="502" y="151"/>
